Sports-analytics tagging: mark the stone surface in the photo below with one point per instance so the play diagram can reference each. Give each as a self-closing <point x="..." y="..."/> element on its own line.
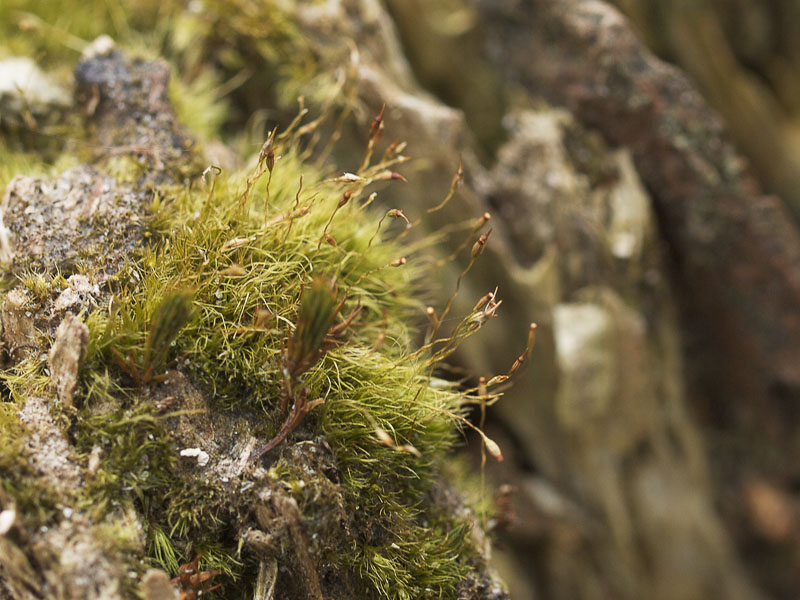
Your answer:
<point x="47" y="220"/>
<point x="127" y="106"/>
<point x="733" y="246"/>
<point x="66" y="355"/>
<point x="48" y="449"/>
<point x="732" y="250"/>
<point x="69" y="237"/>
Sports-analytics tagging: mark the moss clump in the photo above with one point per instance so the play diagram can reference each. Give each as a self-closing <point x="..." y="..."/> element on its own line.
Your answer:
<point x="247" y="269"/>
<point x="245" y="247"/>
<point x="249" y="392"/>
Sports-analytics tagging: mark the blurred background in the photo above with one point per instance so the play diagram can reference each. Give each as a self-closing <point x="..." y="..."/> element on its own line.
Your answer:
<point x="641" y="164"/>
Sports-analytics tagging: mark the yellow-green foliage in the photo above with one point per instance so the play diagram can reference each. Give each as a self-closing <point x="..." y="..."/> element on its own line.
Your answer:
<point x="246" y="270"/>
<point x="254" y="44"/>
<point x="55" y="32"/>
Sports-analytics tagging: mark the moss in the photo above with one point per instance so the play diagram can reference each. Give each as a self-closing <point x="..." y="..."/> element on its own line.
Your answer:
<point x="247" y="280"/>
<point x="136" y="452"/>
<point x="200" y="104"/>
<point x="247" y="269"/>
<point x="248" y="250"/>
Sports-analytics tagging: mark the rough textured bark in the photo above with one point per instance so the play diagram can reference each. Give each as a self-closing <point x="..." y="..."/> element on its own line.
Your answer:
<point x="724" y="249"/>
<point x="734" y="249"/>
<point x="746" y="60"/>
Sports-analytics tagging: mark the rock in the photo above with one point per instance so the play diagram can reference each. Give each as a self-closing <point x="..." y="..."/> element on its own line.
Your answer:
<point x="80" y="294"/>
<point x="83" y="225"/>
<point x="17" y="319"/>
<point x="733" y="248"/>
<point x="66" y="355"/>
<point x="583" y="335"/>
<point x="47" y="220"/>
<point x="127" y="106"/>
<point x="48" y="449"/>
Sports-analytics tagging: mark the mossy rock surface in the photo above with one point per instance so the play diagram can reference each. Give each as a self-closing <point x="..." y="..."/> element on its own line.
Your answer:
<point x="210" y="312"/>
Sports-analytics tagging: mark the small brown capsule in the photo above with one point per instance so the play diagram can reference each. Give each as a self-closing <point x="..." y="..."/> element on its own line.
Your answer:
<point x="477" y="248"/>
<point x="376" y="127"/>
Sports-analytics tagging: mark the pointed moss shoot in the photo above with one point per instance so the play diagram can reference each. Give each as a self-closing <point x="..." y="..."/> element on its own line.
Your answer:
<point x="313" y="335"/>
<point x="170" y="317"/>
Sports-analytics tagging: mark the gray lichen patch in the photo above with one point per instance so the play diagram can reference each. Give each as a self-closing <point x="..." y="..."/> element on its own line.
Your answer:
<point x="86" y="219"/>
<point x="80" y="217"/>
<point x="48" y="450"/>
<point x="79" y="295"/>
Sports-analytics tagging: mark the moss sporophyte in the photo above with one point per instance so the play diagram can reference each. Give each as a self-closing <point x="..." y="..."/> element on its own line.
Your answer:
<point x="261" y="319"/>
<point x="314" y="333"/>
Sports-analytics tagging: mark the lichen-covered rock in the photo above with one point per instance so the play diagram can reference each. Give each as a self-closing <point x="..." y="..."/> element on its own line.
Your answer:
<point x="126" y="102"/>
<point x="57" y="223"/>
<point x="47" y="448"/>
<point x="734" y="250"/>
